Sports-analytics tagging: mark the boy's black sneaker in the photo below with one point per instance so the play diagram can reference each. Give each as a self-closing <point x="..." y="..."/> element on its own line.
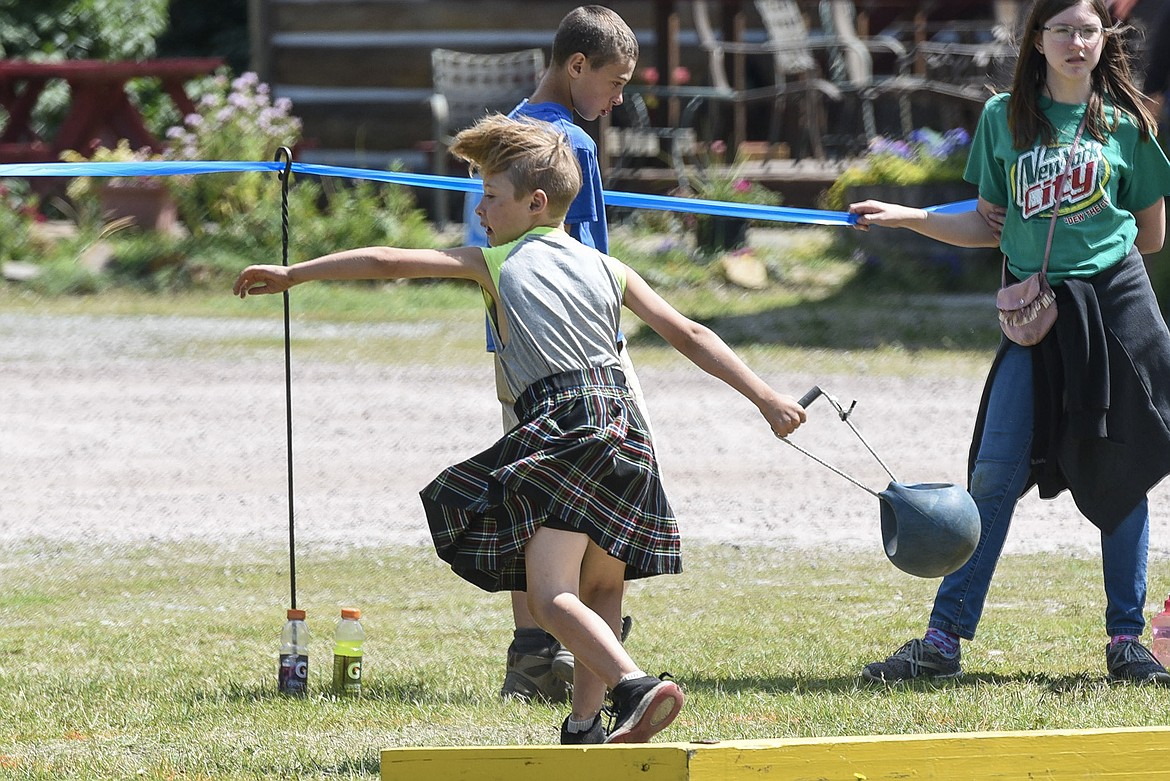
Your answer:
<point x="916" y="659"/>
<point x="642" y="708"/>
<point x="595" y="733"/>
<point x="1132" y="662"/>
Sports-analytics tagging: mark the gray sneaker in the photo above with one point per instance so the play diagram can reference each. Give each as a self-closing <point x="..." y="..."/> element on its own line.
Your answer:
<point x="562" y="665"/>
<point x="1130" y="661"/>
<point x="530" y="677"/>
<point x="915" y="659"/>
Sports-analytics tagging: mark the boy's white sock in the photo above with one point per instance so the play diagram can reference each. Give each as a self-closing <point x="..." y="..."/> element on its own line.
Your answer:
<point x="572" y="725"/>
<point x="635" y="675"/>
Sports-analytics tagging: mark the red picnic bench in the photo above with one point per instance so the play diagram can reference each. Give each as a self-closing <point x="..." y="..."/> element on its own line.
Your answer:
<point x="100" y="111"/>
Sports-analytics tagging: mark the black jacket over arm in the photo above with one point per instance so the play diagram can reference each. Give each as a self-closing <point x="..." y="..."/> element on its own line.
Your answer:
<point x="1102" y="395"/>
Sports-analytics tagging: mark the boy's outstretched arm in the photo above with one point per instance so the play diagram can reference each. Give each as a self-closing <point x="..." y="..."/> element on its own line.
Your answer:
<point x="367" y="263"/>
<point x="711" y="354"/>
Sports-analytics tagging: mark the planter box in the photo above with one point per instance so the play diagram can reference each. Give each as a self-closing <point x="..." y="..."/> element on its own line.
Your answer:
<point x="879" y="246"/>
<point x="149" y="206"/>
<point x="715" y="235"/>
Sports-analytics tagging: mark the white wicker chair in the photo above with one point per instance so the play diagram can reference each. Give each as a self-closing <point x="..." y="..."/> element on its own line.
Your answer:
<point x="468" y="86"/>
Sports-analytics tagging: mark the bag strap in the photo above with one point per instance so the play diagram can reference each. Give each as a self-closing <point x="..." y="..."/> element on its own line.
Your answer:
<point x="1056" y="204"/>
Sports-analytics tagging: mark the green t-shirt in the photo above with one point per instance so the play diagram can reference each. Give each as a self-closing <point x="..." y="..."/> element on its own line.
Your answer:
<point x="1096" y="227"/>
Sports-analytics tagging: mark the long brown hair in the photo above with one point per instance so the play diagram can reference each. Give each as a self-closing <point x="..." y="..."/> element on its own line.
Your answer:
<point x="1111" y="79"/>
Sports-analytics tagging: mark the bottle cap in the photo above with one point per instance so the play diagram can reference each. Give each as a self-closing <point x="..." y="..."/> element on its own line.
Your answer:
<point x="351" y="613"/>
<point x="296" y="615"/>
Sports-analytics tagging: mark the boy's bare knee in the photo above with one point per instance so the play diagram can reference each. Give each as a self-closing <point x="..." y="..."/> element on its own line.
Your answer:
<point x="544" y="607"/>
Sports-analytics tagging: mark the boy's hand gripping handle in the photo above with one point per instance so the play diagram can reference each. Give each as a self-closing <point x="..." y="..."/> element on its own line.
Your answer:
<point x="808" y="398"/>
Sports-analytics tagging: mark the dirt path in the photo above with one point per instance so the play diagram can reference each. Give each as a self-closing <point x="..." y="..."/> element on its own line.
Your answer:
<point x="118" y="430"/>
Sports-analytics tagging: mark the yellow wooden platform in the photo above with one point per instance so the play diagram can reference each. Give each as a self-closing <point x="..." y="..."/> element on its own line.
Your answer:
<point x="1057" y="755"/>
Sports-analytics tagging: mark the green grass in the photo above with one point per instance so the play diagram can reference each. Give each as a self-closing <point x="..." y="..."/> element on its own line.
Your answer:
<point x="160" y="662"/>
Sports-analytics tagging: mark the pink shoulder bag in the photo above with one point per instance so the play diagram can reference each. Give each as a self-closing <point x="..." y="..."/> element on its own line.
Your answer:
<point x="1027" y="310"/>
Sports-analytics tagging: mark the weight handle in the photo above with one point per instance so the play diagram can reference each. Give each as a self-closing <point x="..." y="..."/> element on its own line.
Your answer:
<point x="813" y="393"/>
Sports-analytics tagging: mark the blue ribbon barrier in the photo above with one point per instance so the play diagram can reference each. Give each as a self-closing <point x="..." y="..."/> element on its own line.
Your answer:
<point x="458" y="183"/>
<point x="954" y="207"/>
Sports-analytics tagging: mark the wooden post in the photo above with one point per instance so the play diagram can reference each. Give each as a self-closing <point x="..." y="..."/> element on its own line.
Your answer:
<point x="672" y="63"/>
<point x="260" y="38"/>
<point x="738" y="25"/>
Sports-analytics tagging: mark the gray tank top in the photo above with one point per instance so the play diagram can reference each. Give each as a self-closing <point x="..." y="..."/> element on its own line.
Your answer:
<point x="562" y="302"/>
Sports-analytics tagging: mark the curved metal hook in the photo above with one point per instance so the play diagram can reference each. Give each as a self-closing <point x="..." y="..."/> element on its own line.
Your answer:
<point x="284" y="154"/>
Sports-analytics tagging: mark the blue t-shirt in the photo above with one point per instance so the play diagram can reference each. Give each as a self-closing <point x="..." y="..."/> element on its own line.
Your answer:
<point x="585" y="221"/>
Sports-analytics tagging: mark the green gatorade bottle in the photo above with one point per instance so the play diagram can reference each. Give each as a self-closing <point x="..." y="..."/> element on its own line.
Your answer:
<point x="348" y="638"/>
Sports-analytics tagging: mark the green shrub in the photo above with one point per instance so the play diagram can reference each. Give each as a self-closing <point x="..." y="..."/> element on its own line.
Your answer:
<point x="64" y="276"/>
<point x="324" y="217"/>
<point x="76" y="29"/>
<point x="236" y="120"/>
<point x="80" y="29"/>
<point x="360" y="214"/>
<point x="18" y="210"/>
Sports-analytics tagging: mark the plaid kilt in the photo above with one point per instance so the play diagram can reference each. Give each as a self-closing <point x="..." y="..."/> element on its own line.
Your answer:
<point x="582" y="455"/>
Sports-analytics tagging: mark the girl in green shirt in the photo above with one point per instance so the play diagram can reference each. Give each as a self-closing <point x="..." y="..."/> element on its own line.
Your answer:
<point x="1086" y="409"/>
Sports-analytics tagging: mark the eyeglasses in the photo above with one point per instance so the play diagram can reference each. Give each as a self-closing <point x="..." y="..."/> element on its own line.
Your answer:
<point x="1063" y="33"/>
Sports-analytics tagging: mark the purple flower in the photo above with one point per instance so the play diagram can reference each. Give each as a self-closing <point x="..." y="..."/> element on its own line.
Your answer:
<point x="922" y="136"/>
<point x="958" y="136"/>
<point x="246" y="81"/>
<point x="901" y="149"/>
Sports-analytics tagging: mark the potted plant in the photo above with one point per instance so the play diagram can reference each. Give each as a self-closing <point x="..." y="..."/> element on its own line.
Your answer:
<point x="928" y="165"/>
<point x="924" y="170"/>
<point x="714" y="181"/>
<point x="144" y="201"/>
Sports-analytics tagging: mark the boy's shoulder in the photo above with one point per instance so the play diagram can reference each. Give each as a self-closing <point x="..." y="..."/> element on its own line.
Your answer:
<point x="547" y="111"/>
<point x="561" y="117"/>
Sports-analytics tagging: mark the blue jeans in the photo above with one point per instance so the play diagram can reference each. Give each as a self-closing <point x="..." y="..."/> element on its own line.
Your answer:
<point x="1001" y="471"/>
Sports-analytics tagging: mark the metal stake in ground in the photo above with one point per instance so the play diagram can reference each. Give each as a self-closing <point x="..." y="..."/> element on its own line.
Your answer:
<point x="285" y="154"/>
